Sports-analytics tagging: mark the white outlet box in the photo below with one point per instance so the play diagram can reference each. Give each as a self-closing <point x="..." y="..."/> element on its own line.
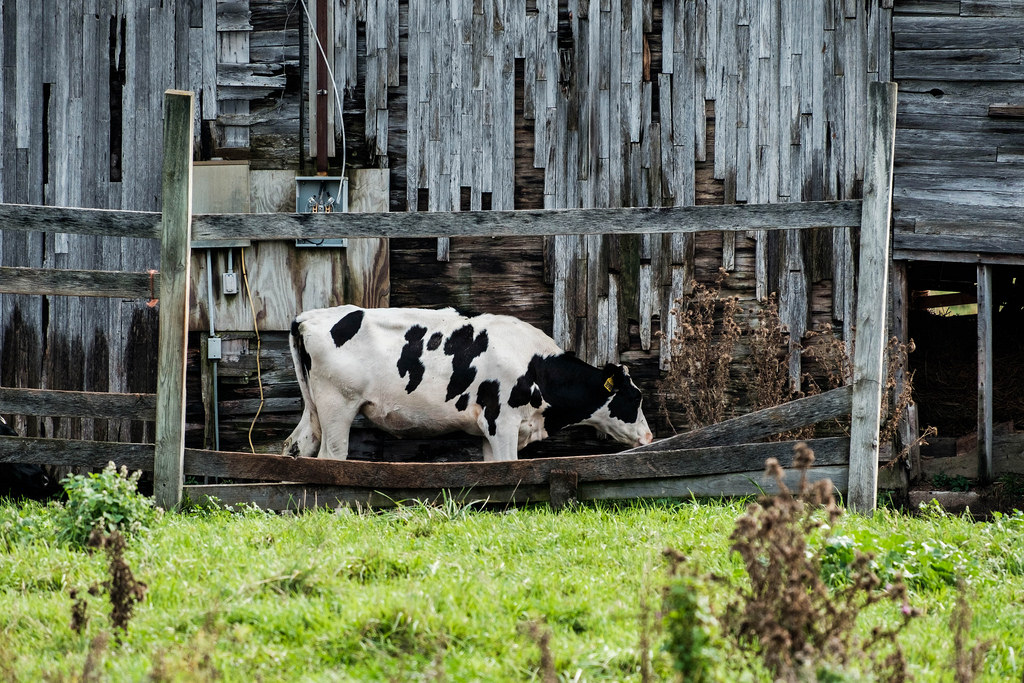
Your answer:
<point x="229" y="283"/>
<point x="213" y="350"/>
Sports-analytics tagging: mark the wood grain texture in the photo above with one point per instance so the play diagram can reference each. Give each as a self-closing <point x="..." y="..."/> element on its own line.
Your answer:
<point x="77" y="404"/>
<point x="168" y="476"/>
<point x="986" y="362"/>
<point x="872" y="298"/>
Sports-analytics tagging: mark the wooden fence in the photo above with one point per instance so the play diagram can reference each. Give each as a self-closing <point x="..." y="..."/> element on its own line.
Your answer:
<point x="718" y="460"/>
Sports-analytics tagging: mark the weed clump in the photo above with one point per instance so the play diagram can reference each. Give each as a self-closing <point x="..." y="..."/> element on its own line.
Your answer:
<point x="785" y="613"/>
<point x="108" y="501"/>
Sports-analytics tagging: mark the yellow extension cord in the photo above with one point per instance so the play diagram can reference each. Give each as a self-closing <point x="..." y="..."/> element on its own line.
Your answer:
<point x="259" y="370"/>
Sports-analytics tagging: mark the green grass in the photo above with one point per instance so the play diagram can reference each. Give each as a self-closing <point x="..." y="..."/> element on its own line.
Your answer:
<point x="446" y="593"/>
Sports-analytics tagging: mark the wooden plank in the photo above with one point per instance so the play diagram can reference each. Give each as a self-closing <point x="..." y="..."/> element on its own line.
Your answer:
<point x="685" y="219"/>
<point x="145" y="224"/>
<point x="303" y="496"/>
<point x="168" y="476"/>
<point x="72" y="453"/>
<point x="930" y="33"/>
<point x="369" y="280"/>
<point x="77" y="404"/>
<point x="81" y="221"/>
<point x="1004" y="110"/>
<point x="563" y="488"/>
<point x="900" y="309"/>
<point x="995" y="244"/>
<point x="92" y="283"/>
<point x="623" y="466"/>
<point x="802" y="412"/>
<point x="871" y="298"/>
<point x="985" y="369"/>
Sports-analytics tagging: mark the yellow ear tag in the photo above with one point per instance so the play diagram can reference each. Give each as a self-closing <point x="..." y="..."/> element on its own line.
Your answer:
<point x="608" y="384"/>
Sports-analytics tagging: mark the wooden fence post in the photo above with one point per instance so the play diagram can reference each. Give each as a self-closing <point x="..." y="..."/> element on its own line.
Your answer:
<point x="985" y="310"/>
<point x="872" y="283"/>
<point x="168" y="463"/>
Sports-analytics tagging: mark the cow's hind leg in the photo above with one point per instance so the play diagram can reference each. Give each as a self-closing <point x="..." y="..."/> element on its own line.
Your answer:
<point x="304" y="440"/>
<point x="335" y="431"/>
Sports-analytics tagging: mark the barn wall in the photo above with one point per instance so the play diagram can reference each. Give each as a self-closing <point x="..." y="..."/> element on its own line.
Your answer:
<point x="468" y="105"/>
<point x="960" y="127"/>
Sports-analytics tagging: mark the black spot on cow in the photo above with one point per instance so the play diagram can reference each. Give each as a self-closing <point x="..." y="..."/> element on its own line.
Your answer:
<point x="525" y="392"/>
<point x="463" y="348"/>
<point x="347" y="327"/>
<point x="409" y="362"/>
<point x="487" y="395"/>
<point x="435" y="341"/>
<point x="575" y="390"/>
<point x="462" y="403"/>
<point x="300" y="346"/>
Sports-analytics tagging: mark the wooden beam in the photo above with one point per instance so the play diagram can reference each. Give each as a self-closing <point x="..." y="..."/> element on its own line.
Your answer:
<point x="56" y="403"/>
<point x="985" y="470"/>
<point x="1006" y="111"/>
<point x="678" y="219"/>
<point x="536" y="471"/>
<point x="289" y="496"/>
<point x="102" y="222"/>
<point x="168" y="464"/>
<point x="872" y="292"/>
<point x="70" y="453"/>
<point x="748" y="428"/>
<point x="283" y="226"/>
<point x="16" y="280"/>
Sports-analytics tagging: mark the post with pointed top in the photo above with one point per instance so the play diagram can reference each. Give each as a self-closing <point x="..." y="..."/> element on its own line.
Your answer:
<point x="872" y="280"/>
<point x="169" y="457"/>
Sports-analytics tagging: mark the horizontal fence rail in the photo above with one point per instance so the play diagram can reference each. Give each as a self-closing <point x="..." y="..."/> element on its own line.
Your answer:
<point x="285" y="226"/>
<point x="57" y="403"/>
<point x="98" y="283"/>
<point x="711" y="460"/>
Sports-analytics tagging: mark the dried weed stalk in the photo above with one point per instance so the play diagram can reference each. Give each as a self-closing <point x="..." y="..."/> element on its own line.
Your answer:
<point x="769" y="364"/>
<point x="542" y="637"/>
<point x="788" y="614"/>
<point x="122" y="588"/>
<point x="700" y="354"/>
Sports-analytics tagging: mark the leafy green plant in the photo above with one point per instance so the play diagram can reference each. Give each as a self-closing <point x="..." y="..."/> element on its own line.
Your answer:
<point x="108" y="501"/>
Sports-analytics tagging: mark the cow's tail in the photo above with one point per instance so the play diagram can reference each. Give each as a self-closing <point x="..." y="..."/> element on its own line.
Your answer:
<point x="300" y="359"/>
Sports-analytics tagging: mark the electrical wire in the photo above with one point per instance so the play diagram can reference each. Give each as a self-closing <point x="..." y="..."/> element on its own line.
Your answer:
<point x="259" y="369"/>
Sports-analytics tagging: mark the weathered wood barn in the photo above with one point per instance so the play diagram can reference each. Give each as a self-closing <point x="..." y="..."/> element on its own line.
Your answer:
<point x="498" y="105"/>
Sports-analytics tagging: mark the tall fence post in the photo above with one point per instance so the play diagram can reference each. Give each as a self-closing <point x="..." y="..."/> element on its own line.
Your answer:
<point x="872" y="282"/>
<point x="169" y="457"/>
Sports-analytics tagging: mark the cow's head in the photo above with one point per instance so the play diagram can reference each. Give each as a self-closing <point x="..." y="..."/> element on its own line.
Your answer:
<point x="622" y="415"/>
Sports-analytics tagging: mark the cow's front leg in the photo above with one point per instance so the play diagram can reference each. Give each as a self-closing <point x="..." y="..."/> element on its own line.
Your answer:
<point x="503" y="445"/>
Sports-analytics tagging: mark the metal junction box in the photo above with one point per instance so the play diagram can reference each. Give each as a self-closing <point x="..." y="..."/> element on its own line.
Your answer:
<point x="321" y="194"/>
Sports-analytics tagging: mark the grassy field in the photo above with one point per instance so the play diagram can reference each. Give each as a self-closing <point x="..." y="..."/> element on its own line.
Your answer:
<point x="453" y="593"/>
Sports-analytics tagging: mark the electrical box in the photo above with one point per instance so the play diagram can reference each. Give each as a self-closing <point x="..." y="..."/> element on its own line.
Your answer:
<point x="213" y="351"/>
<point x="321" y="194"/>
<point x="229" y="283"/>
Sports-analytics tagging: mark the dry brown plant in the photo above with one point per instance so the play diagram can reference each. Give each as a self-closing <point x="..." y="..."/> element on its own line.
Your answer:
<point x="122" y="588"/>
<point x="787" y="614"/>
<point x="701" y="353"/>
<point x="968" y="660"/>
<point x="769" y="363"/>
<point x="541" y="635"/>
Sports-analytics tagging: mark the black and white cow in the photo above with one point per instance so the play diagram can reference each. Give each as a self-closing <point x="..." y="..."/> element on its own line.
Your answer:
<point x="24" y="481"/>
<point x="416" y="372"/>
